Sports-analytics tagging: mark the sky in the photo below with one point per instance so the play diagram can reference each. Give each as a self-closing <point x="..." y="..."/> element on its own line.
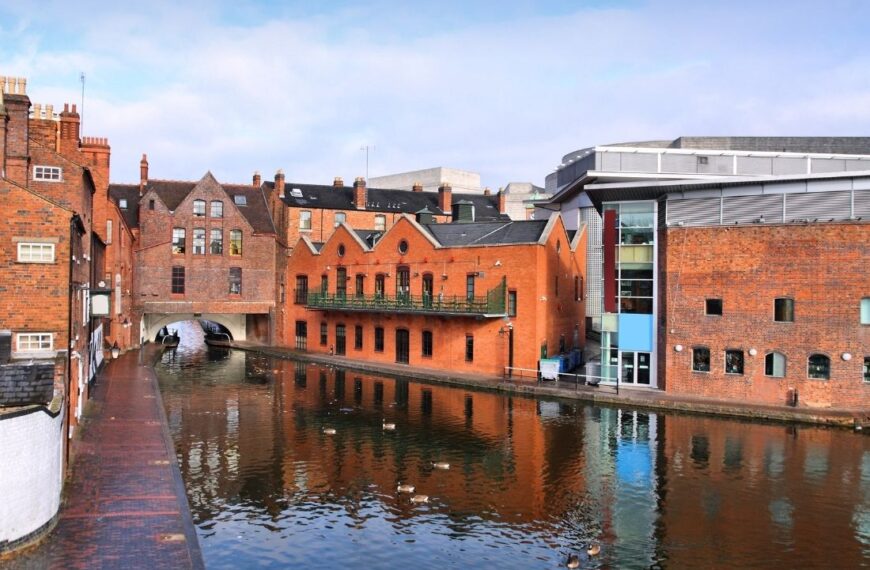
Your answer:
<point x="500" y="88"/>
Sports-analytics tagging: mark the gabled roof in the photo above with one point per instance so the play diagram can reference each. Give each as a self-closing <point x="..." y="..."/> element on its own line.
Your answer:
<point x="383" y="200"/>
<point x="256" y="211"/>
<point x="487" y="233"/>
<point x="129" y="192"/>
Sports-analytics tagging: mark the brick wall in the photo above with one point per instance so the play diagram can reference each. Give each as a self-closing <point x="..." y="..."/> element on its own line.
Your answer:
<point x="822" y="267"/>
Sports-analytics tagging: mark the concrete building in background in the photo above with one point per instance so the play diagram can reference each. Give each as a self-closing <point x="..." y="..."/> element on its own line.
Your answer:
<point x="462" y="181"/>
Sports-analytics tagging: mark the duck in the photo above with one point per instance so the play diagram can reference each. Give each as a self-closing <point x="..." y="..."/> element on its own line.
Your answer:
<point x="389" y="426"/>
<point x="573" y="561"/>
<point x="329" y="431"/>
<point x="441" y="465"/>
<point x="594" y="549"/>
<point x="405" y="488"/>
<point x="420" y="499"/>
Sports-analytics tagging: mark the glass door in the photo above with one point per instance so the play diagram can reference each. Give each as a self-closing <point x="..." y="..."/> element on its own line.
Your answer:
<point x="635" y="368"/>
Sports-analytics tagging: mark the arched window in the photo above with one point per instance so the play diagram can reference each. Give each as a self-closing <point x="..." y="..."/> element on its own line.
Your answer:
<point x="235" y="242"/>
<point x="774" y="365"/>
<point x="819" y="367"/>
<point x="199" y="207"/>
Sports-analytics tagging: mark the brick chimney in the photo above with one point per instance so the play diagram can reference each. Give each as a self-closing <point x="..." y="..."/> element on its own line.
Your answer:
<point x="338" y="182"/>
<point x="279" y="183"/>
<point x="258" y="180"/>
<point x="417" y="187"/>
<point x="502" y="201"/>
<point x="359" y="193"/>
<point x="70" y="123"/>
<point x="143" y="174"/>
<point x="14" y="129"/>
<point x="487" y="191"/>
<point x="98" y="154"/>
<point x="445" y="193"/>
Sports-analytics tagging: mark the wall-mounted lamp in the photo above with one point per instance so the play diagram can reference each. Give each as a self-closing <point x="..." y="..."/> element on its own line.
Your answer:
<point x="752" y="352"/>
<point x="678" y="348"/>
<point x="846" y="356"/>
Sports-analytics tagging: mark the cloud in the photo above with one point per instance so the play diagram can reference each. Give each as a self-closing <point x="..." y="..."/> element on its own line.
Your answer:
<point x="505" y="92"/>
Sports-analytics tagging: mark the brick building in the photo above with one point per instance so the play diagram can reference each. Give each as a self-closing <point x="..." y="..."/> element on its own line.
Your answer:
<point x="465" y="296"/>
<point x="204" y="250"/>
<point x="748" y="289"/>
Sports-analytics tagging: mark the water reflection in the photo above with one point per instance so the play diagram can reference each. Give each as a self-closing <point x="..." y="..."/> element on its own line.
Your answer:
<point x="529" y="481"/>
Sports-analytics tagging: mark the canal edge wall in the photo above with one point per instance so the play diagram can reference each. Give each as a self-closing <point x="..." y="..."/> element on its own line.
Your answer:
<point x="641" y="399"/>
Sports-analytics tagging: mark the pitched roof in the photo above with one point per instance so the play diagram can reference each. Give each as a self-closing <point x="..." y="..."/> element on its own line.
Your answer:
<point x="487" y="233"/>
<point x="383" y="200"/>
<point x="255" y="209"/>
<point x="129" y="192"/>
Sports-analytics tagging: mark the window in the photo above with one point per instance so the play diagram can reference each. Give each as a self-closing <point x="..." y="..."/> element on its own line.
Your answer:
<point x="379" y="339"/>
<point x="324" y="334"/>
<point x="403" y="283"/>
<point x="701" y="359"/>
<point x="819" y="367"/>
<point x="301" y="335"/>
<point x="36" y="253"/>
<point x="380" y="280"/>
<point x="305" y="220"/>
<point x="577" y="288"/>
<point x="360" y="285"/>
<point x="341" y="250"/>
<point x="380" y="223"/>
<point x="358" y="337"/>
<point x="341" y="282"/>
<point x="150" y="204"/>
<point x="703" y="160"/>
<point x="282" y="294"/>
<point x="427" y="344"/>
<point x="469" y="287"/>
<point x="301" y="289"/>
<point x="469" y="348"/>
<point x="340" y="218"/>
<point x="122" y="203"/>
<point x="178" y="280"/>
<point x="733" y="362"/>
<point x="48" y="173"/>
<point x="774" y="365"/>
<point x="240" y="200"/>
<point x="783" y="310"/>
<point x="512" y="303"/>
<point x="198" y="241"/>
<point x="403" y="247"/>
<point x="217" y="242"/>
<point x="558" y="246"/>
<point x="217" y="209"/>
<point x="32" y="342"/>
<point x="199" y="207"/>
<point x="235" y="280"/>
<point x="557" y="285"/>
<point x="178" y="240"/>
<point x="235" y="242"/>
<point x="865" y="311"/>
<point x="713" y="307"/>
<point x="108" y="232"/>
<point x="867" y="369"/>
<point x="324" y="284"/>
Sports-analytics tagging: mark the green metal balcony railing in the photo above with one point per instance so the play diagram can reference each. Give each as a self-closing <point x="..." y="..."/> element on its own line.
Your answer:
<point x="491" y="305"/>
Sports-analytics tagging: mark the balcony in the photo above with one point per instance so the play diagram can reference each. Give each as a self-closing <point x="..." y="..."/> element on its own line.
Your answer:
<point x="489" y="306"/>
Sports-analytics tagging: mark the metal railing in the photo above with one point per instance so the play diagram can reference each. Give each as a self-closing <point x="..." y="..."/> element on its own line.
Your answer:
<point x="565" y="380"/>
<point x="493" y="304"/>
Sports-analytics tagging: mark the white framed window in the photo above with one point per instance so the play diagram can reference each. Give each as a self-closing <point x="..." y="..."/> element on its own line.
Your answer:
<point x="199" y="207"/>
<point x="240" y="200"/>
<point x="48" y="173"/>
<point x="108" y="232"/>
<point x="34" y="342"/>
<point x="305" y="220"/>
<point x="380" y="222"/>
<point x="865" y="311"/>
<point x="340" y="218"/>
<point x="122" y="203"/>
<point x="35" y="252"/>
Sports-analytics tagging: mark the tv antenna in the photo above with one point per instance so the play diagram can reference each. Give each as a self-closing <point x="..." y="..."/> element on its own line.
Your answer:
<point x="82" y="116"/>
<point x="367" y="148"/>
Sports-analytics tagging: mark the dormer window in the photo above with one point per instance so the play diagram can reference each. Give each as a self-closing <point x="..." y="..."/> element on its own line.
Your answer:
<point x="240" y="200"/>
<point x="48" y="173"/>
<point x="122" y="203"/>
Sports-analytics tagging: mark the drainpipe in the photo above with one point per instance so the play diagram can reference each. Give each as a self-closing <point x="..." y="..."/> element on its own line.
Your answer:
<point x="67" y="399"/>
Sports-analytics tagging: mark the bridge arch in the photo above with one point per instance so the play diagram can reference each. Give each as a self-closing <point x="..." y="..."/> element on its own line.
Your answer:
<point x="153" y="322"/>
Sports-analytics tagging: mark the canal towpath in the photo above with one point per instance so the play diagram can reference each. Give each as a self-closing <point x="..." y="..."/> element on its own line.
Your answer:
<point x="124" y="502"/>
<point x="569" y="388"/>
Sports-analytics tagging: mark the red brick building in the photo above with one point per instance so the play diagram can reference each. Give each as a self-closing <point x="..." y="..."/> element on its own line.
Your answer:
<point x="204" y="250"/>
<point x="465" y="296"/>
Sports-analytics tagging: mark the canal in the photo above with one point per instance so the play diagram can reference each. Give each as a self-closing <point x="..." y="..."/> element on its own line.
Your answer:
<point x="529" y="482"/>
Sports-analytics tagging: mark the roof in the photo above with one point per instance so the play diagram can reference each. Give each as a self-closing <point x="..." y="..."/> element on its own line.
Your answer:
<point x="173" y="192"/>
<point x="487" y="233"/>
<point x="383" y="200"/>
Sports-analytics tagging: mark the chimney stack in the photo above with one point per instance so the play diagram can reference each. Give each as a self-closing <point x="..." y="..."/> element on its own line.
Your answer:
<point x="445" y="201"/>
<point x="417" y="187"/>
<point x="258" y="180"/>
<point x="359" y="193"/>
<point x="143" y="174"/>
<point x="338" y="182"/>
<point x="279" y="183"/>
<point x="502" y="201"/>
<point x="14" y="129"/>
<point x="70" y="123"/>
<point x="487" y="191"/>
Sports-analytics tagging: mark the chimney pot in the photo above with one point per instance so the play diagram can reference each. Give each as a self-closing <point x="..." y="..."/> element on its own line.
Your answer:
<point x="417" y="187"/>
<point x="66" y="107"/>
<point x="279" y="183"/>
<point x="487" y="191"/>
<point x="73" y="107"/>
<point x="143" y="173"/>
<point x="338" y="182"/>
<point x="445" y="193"/>
<point x="258" y="180"/>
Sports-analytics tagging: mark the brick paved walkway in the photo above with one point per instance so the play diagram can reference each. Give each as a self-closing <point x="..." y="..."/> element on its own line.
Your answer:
<point x="124" y="505"/>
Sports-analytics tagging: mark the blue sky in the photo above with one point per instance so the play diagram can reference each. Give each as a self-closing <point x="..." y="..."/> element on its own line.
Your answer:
<point x="502" y="88"/>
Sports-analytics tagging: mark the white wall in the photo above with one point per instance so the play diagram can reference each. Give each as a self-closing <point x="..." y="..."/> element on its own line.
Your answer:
<point x="30" y="472"/>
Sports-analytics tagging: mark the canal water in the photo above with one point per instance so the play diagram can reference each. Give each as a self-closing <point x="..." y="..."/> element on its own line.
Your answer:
<point x="529" y="483"/>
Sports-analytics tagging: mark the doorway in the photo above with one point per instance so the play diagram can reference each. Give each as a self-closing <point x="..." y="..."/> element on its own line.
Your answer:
<point x="403" y="346"/>
<point x="340" y="340"/>
<point x="635" y="368"/>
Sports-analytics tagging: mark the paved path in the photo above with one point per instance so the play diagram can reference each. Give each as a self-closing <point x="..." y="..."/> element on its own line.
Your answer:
<point x="124" y="505"/>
